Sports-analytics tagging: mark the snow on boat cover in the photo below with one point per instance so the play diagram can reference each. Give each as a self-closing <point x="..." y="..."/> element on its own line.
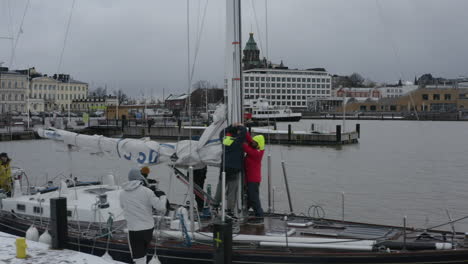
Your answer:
<point x="205" y="151"/>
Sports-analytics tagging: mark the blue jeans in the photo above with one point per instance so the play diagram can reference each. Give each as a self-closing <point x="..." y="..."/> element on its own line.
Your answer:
<point x="254" y="198"/>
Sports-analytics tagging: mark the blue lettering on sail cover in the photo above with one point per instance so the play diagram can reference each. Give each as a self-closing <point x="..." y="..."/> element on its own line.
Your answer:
<point x="141" y="158"/>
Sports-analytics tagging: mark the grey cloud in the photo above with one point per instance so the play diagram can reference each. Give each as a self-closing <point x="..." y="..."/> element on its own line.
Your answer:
<point x="141" y="45"/>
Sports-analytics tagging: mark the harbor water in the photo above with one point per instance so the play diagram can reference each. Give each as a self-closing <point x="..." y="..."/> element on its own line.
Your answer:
<point x="398" y="168"/>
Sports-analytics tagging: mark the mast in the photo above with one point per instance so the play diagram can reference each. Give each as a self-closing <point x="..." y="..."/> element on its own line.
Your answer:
<point x="233" y="67"/>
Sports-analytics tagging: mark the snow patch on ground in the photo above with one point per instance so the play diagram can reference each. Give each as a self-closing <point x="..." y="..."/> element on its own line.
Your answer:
<point x="39" y="253"/>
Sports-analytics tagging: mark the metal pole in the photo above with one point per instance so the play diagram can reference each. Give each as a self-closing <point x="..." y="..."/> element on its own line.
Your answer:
<point x="344" y="112"/>
<point x="27" y="107"/>
<point x="404" y="233"/>
<point x="342" y="206"/>
<point x="270" y="210"/>
<point x="287" y="187"/>
<point x="223" y="196"/>
<point x="273" y="199"/>
<point x="192" y="202"/>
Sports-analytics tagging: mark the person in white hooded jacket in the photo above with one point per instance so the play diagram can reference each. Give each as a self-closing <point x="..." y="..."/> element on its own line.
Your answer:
<point x="137" y="202"/>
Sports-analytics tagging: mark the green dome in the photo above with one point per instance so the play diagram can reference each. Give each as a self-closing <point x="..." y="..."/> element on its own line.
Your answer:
<point x="251" y="44"/>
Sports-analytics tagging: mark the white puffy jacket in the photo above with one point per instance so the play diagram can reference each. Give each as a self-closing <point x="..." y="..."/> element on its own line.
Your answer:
<point x="138" y="202"/>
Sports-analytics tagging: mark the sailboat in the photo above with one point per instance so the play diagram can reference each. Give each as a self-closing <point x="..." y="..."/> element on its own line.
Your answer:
<point x="96" y="224"/>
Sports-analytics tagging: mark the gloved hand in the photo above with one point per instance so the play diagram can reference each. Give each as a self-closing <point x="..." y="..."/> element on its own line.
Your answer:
<point x="159" y="193"/>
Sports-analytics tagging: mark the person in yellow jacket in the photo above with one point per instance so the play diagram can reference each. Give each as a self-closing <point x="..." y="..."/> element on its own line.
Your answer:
<point x="5" y="173"/>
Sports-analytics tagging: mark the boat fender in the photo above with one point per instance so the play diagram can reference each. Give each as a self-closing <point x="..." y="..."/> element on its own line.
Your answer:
<point x="442" y="246"/>
<point x="32" y="233"/>
<point x="108" y="180"/>
<point x="154" y="260"/>
<point x="46" y="238"/>
<point x="107" y="256"/>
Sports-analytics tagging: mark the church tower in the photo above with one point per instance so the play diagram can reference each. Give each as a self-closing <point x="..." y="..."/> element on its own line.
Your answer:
<point x="251" y="58"/>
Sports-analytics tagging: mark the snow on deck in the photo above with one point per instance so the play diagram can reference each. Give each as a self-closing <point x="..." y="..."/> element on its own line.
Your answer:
<point x="39" y="253"/>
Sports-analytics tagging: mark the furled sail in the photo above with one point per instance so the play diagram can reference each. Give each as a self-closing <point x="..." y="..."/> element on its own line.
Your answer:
<point x="205" y="151"/>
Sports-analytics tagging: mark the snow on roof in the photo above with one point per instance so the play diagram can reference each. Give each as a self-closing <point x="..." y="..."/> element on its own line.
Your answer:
<point x="40" y="253"/>
<point x="176" y="97"/>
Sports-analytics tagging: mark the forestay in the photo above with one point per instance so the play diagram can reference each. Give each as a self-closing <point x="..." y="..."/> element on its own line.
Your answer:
<point x="205" y="151"/>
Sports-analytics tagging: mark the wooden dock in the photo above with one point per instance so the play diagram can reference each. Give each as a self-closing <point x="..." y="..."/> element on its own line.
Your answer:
<point x="288" y="137"/>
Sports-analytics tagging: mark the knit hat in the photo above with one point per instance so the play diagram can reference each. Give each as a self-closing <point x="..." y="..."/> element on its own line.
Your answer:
<point x="3" y="154"/>
<point x="260" y="141"/>
<point x="145" y="170"/>
<point x="135" y="175"/>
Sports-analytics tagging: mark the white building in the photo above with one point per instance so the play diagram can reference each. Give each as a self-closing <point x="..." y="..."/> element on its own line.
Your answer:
<point x="285" y="87"/>
<point x="13" y="90"/>
<point x="58" y="91"/>
<point x="395" y="92"/>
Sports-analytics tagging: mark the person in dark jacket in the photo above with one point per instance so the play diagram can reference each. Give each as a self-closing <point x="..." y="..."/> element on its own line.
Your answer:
<point x="199" y="177"/>
<point x="254" y="150"/>
<point x="232" y="162"/>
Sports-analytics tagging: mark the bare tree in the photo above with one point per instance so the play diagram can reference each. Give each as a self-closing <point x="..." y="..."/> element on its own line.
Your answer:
<point x="356" y="80"/>
<point x="121" y="96"/>
<point x="202" y="84"/>
<point x="99" y="91"/>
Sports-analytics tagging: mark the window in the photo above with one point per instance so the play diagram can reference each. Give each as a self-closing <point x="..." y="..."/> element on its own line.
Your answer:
<point x="425" y="97"/>
<point x="436" y="96"/>
<point x="37" y="210"/>
<point x="447" y="96"/>
<point x="21" y="207"/>
<point x="263" y="79"/>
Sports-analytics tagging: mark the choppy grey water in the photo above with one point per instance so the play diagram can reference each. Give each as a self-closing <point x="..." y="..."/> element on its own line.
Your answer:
<point x="417" y="169"/>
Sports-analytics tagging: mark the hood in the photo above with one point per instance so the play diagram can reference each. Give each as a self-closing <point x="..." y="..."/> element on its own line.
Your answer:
<point x="260" y="139"/>
<point x="131" y="185"/>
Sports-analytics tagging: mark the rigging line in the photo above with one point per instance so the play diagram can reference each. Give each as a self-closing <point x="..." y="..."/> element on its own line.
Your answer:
<point x="394" y="49"/>
<point x="197" y="46"/>
<point x="189" y="80"/>
<point x="66" y="37"/>
<point x="20" y="31"/>
<point x="10" y="24"/>
<point x="256" y="23"/>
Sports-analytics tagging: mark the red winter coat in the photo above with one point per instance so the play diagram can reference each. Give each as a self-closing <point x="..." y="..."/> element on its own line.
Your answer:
<point x="253" y="163"/>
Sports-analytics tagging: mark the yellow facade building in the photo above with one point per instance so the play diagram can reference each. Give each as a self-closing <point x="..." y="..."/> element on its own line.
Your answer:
<point x="421" y="100"/>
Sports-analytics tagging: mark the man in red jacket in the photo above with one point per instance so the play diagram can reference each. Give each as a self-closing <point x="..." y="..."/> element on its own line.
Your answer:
<point x="254" y="150"/>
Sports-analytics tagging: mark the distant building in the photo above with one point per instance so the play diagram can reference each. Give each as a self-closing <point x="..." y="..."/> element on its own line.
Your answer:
<point x="359" y="93"/>
<point x="57" y="91"/>
<point x="396" y="91"/>
<point x="94" y="103"/>
<point x="200" y="97"/>
<point x="280" y="85"/>
<point x="13" y="90"/>
<point x="286" y="87"/>
<point x="176" y="102"/>
<point x="421" y="100"/>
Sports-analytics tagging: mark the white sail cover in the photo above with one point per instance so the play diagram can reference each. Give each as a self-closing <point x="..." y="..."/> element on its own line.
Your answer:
<point x="205" y="151"/>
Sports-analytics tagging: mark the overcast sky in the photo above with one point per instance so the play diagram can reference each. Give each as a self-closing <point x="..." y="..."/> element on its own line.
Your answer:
<point x="141" y="46"/>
